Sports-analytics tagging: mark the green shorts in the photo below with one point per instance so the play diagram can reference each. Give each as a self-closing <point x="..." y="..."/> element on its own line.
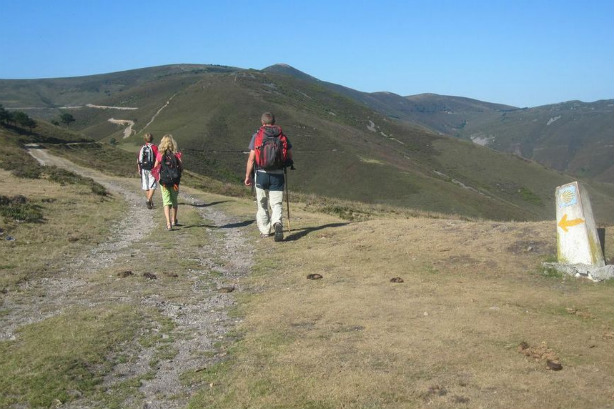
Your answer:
<point x="169" y="196"/>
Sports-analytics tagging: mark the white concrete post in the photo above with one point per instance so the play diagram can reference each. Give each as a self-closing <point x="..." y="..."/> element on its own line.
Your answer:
<point x="577" y="238"/>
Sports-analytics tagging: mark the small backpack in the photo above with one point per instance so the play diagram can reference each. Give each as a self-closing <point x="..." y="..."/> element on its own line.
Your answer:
<point x="271" y="146"/>
<point x="146" y="160"/>
<point x="170" y="169"/>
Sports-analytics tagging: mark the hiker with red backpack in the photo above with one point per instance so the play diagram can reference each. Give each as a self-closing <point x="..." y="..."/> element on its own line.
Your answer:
<point x="145" y="164"/>
<point x="270" y="152"/>
<point x="168" y="168"/>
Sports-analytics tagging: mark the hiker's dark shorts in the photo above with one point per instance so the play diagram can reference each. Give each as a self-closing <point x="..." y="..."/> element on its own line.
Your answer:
<point x="273" y="182"/>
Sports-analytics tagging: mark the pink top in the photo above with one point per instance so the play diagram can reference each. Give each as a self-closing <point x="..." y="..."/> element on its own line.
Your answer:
<point x="159" y="156"/>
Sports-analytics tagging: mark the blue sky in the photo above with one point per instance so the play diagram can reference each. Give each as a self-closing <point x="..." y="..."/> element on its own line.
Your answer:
<point x="515" y="52"/>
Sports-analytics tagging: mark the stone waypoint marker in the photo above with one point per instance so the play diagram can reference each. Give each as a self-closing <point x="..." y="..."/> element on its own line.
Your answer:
<point x="577" y="237"/>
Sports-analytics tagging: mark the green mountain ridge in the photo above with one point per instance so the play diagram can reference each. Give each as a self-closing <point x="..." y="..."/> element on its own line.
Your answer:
<point x="343" y="147"/>
<point x="579" y="143"/>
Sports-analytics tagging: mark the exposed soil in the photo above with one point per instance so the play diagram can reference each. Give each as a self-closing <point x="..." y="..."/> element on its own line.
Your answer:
<point x="200" y="316"/>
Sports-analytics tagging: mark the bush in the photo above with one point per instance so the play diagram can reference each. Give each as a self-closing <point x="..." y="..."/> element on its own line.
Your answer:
<point x="27" y="171"/>
<point x="19" y="209"/>
<point x="64" y="177"/>
<point x="21" y="165"/>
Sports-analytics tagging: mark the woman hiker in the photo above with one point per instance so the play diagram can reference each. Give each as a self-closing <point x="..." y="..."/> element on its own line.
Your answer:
<point x="168" y="169"/>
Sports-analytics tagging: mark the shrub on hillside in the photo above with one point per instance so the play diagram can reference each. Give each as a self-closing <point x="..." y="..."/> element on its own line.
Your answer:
<point x="22" y="166"/>
<point x="18" y="208"/>
<point x="64" y="177"/>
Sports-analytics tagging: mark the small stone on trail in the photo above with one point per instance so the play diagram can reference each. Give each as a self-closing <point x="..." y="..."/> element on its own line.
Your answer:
<point x="314" y="276"/>
<point x="554" y="366"/>
<point x="150" y="276"/>
<point x="173" y="275"/>
<point x="397" y="280"/>
<point x="124" y="274"/>
<point x="226" y="289"/>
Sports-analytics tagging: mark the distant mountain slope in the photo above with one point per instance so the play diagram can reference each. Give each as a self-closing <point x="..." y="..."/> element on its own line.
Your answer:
<point x="343" y="148"/>
<point x="572" y="137"/>
<point x="46" y="97"/>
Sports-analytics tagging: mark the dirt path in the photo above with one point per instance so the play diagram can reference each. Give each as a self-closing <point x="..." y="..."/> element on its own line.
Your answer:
<point x="199" y="314"/>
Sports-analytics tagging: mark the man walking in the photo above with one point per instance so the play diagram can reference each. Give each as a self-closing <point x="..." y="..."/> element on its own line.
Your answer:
<point x="270" y="152"/>
<point x="145" y="163"/>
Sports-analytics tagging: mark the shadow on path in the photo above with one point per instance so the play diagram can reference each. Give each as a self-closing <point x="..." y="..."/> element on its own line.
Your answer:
<point x="225" y="226"/>
<point x="207" y="204"/>
<point x="296" y="235"/>
<point x="237" y="225"/>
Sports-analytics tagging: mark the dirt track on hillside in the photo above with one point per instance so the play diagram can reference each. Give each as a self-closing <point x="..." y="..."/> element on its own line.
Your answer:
<point x="199" y="315"/>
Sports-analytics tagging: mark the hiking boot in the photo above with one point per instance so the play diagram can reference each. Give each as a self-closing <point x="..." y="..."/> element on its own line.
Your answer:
<point x="149" y="204"/>
<point x="279" y="232"/>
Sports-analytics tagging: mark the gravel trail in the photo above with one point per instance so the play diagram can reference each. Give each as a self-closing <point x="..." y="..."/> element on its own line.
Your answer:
<point x="200" y="315"/>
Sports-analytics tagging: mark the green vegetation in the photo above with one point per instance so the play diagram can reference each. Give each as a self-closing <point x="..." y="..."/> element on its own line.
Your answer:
<point x="447" y="335"/>
<point x="67" y="118"/>
<point x="65" y="356"/>
<point x="22" y="165"/>
<point x="16" y="119"/>
<point x="212" y="112"/>
<point x="19" y="209"/>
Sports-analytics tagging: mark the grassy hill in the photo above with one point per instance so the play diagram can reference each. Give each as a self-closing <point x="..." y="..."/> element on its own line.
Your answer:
<point x="343" y="148"/>
<point x="573" y="137"/>
<point x="103" y="308"/>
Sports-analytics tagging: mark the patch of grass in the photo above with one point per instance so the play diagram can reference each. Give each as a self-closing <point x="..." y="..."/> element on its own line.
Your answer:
<point x="64" y="356"/>
<point x="62" y="221"/>
<point x="64" y="177"/>
<point x="528" y="196"/>
<point x="153" y="338"/>
<point x="26" y="170"/>
<point x="24" y="166"/>
<point x="163" y="353"/>
<point x="551" y="272"/>
<point x="17" y="161"/>
<point x="354" y="339"/>
<point x="108" y="159"/>
<point x="19" y="209"/>
<point x="357" y="211"/>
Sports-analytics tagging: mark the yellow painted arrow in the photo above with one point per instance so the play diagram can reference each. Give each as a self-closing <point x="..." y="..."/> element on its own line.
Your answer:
<point x="564" y="223"/>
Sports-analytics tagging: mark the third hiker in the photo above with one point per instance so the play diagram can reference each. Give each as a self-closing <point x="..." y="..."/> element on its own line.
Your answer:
<point x="145" y="163"/>
<point x="270" y="152"/>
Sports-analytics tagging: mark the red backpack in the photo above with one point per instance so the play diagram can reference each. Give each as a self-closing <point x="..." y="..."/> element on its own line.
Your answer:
<point x="271" y="146"/>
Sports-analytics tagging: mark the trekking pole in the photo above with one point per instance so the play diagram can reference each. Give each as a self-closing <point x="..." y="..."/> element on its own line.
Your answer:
<point x="254" y="183"/>
<point x="287" y="196"/>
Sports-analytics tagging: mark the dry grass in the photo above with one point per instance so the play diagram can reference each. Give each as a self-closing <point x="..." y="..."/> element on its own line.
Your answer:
<point x="73" y="219"/>
<point x="66" y="341"/>
<point x="472" y="324"/>
<point x="447" y="336"/>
